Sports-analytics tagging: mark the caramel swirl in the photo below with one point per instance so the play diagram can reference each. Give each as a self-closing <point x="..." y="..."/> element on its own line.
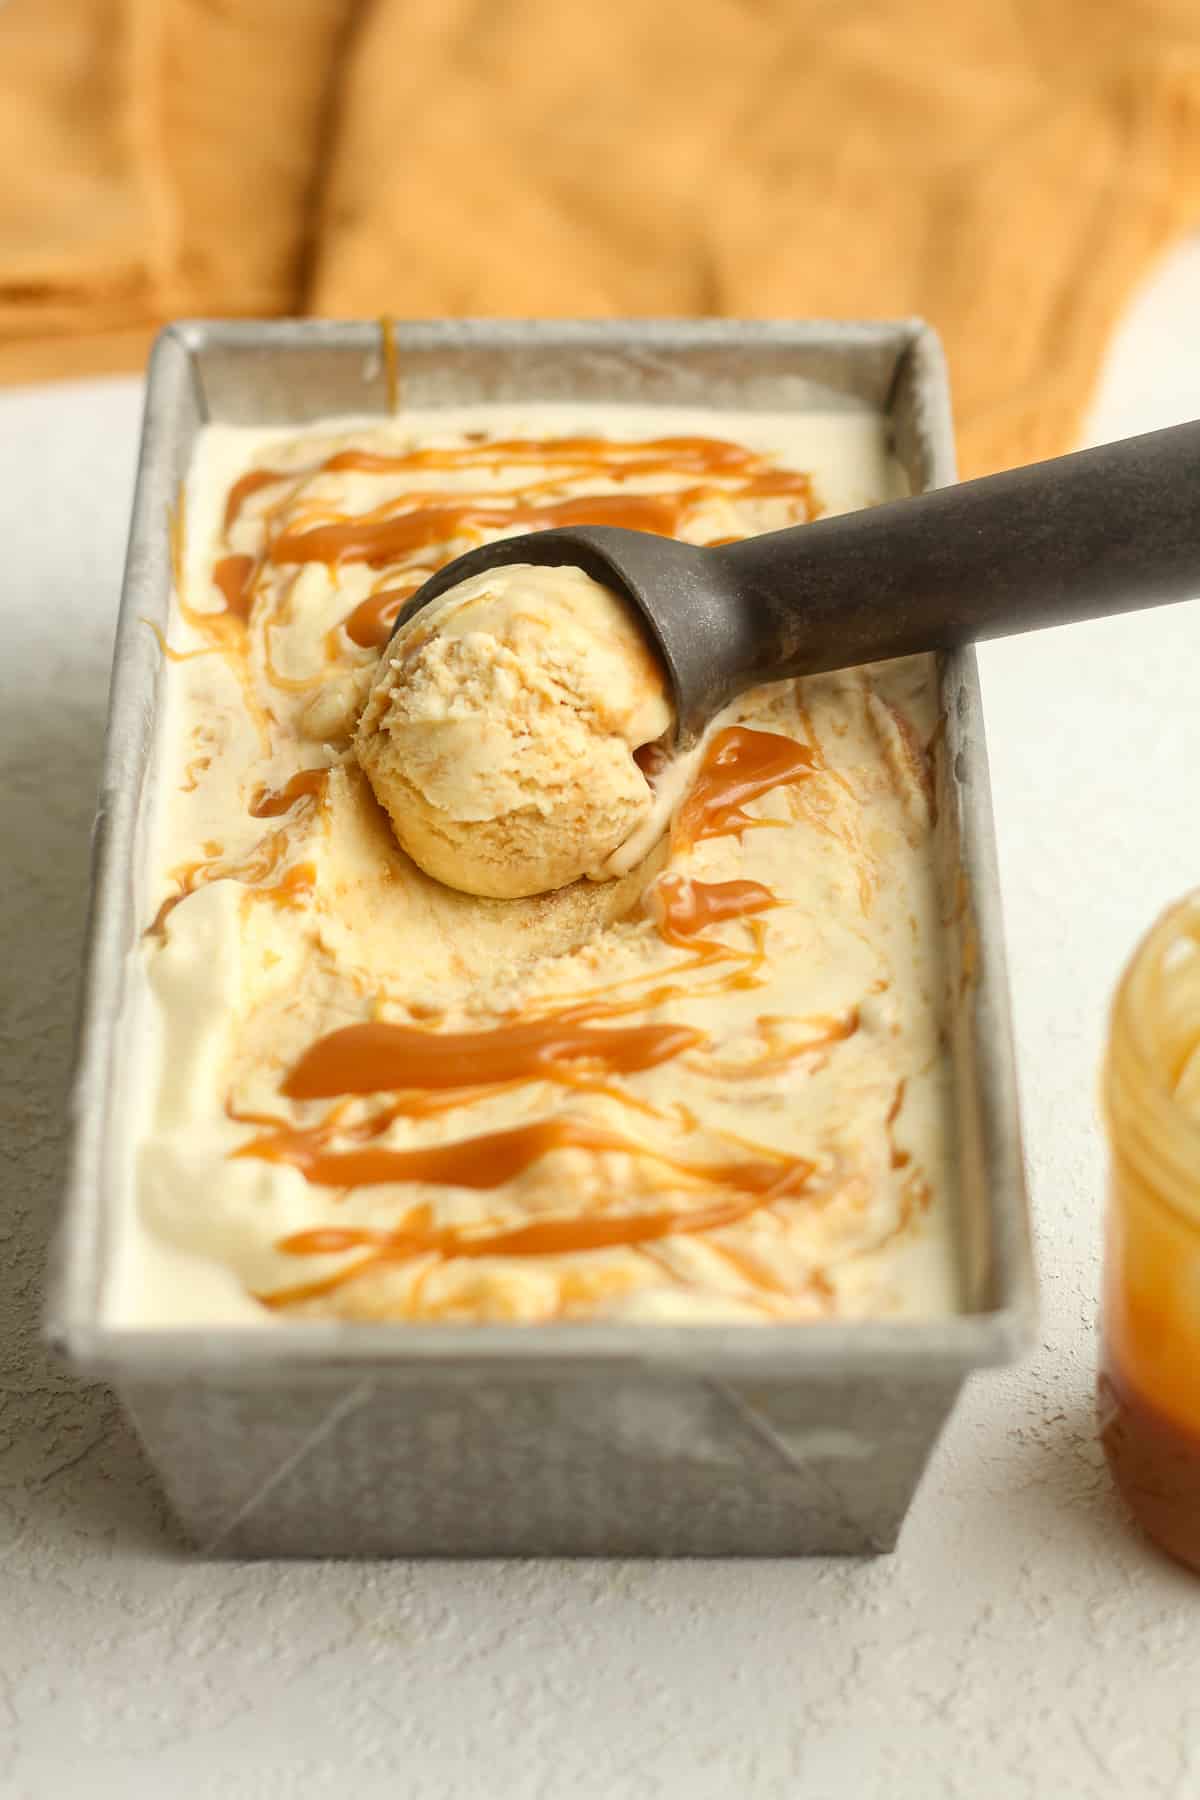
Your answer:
<point x="488" y="1161"/>
<point x="496" y="1157"/>
<point x="428" y="520"/>
<point x="233" y="576"/>
<point x="684" y="908"/>
<point x="740" y="765"/>
<point x="378" y="1057"/>
<point x="370" y="624"/>
<point x="242" y="489"/>
<point x="272" y="803"/>
<point x="378" y="542"/>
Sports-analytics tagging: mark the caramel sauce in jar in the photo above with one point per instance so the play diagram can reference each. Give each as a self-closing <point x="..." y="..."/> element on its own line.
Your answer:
<point x="1149" y="1386"/>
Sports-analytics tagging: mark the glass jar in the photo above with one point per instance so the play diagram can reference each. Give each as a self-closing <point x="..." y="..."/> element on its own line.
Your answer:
<point x="1149" y="1388"/>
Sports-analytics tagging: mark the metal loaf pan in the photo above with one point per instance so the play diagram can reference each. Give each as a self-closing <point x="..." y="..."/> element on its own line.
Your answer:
<point x="366" y="1440"/>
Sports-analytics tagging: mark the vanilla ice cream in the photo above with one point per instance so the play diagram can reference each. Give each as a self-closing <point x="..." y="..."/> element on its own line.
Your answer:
<point x="712" y="1088"/>
<point x="500" y="732"/>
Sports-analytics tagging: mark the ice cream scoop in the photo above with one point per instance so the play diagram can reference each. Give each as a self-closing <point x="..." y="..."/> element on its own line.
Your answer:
<point x="1102" y="531"/>
<point x="501" y="730"/>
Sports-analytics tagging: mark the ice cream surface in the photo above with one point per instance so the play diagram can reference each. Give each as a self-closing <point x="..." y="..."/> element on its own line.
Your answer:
<point x="713" y="1088"/>
<point x="500" y="732"/>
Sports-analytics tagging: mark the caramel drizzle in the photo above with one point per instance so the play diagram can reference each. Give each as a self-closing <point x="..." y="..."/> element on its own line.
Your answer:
<point x="899" y="1159"/>
<point x="234" y="577"/>
<point x="649" y="990"/>
<point x="918" y="759"/>
<point x="488" y="1161"/>
<point x="378" y="542"/>
<point x="224" y="633"/>
<point x="379" y="1057"/>
<point x="272" y="803"/>
<point x="567" y="458"/>
<point x="391" y="362"/>
<point x="249" y="484"/>
<point x="370" y="623"/>
<point x="169" y="652"/>
<point x="256" y="869"/>
<point x="293" y="890"/>
<point x="683" y="908"/>
<point x="253" y="871"/>
<point x="740" y="765"/>
<point x="583" y="454"/>
<point x="198" y="766"/>
<point x="496" y="1157"/>
<point x="827" y="1031"/>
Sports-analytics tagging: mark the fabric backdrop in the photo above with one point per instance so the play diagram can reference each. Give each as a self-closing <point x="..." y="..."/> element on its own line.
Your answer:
<point x="1007" y="168"/>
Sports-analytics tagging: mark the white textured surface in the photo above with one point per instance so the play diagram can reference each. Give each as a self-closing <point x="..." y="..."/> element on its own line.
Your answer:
<point x="1022" y="1643"/>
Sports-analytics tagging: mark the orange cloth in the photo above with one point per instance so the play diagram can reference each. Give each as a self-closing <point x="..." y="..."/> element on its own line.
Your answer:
<point x="1007" y="168"/>
<point x="159" y="157"/>
<point x="82" y="206"/>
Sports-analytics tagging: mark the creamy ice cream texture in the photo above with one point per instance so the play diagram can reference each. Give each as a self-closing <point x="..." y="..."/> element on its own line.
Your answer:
<point x="500" y="732"/>
<point x="712" y="1088"/>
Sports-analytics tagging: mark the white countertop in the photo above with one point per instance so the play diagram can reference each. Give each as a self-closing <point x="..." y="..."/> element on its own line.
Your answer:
<point x="1022" y="1642"/>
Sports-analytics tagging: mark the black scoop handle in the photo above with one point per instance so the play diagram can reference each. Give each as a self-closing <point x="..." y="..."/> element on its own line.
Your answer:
<point x="1102" y="531"/>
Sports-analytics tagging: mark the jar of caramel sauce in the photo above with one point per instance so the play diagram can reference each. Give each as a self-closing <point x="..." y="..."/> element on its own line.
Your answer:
<point x="1149" y="1386"/>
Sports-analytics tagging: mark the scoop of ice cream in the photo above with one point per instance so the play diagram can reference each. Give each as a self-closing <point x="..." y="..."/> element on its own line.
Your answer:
<point x="499" y="735"/>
